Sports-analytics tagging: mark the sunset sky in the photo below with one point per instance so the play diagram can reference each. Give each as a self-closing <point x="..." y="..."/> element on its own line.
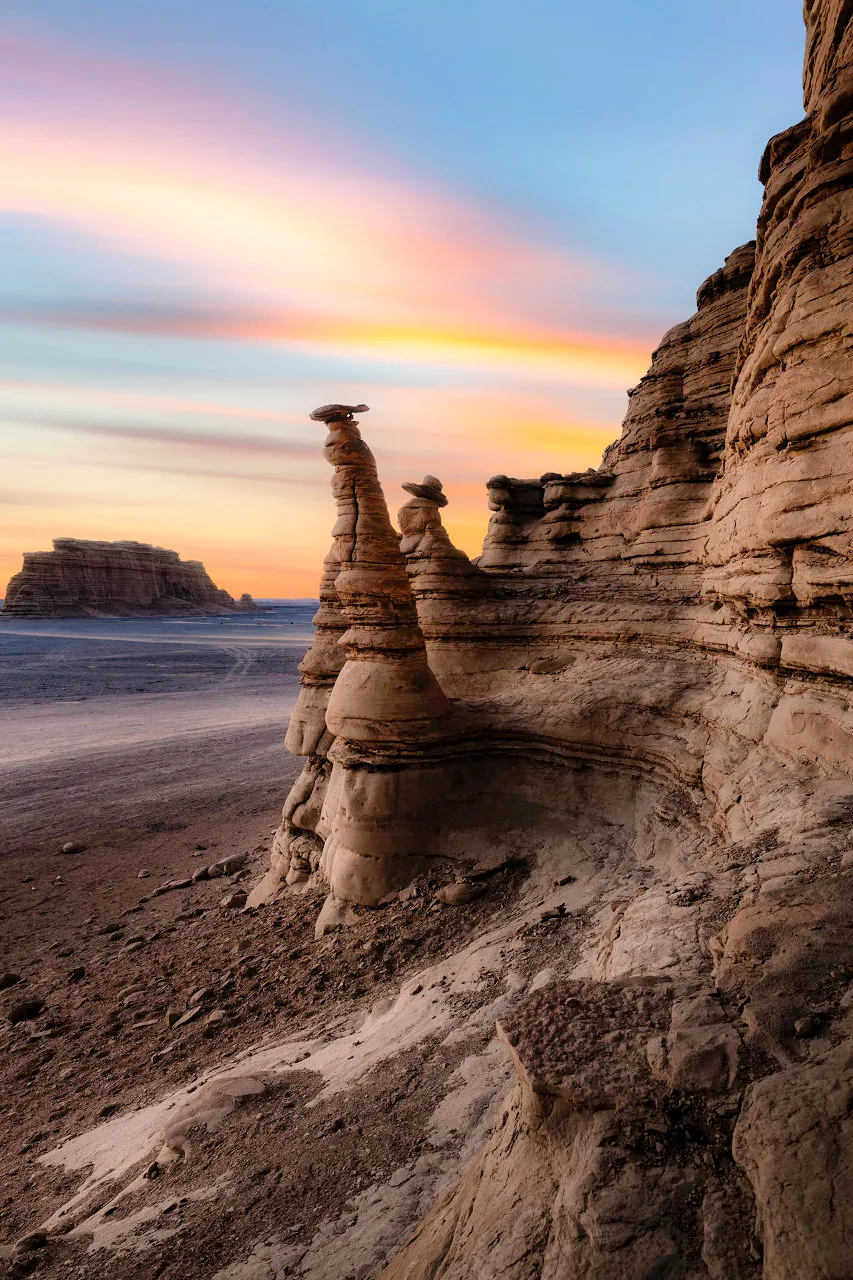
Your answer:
<point x="478" y="218"/>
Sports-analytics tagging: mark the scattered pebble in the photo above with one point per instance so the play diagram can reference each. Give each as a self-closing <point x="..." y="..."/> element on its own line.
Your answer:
<point x="807" y="1026"/>
<point x="72" y="846"/>
<point x="559" y="913"/>
<point x="491" y="866"/>
<point x="227" y="866"/>
<point x="460" y="893"/>
<point x="189" y="1016"/>
<point x="26" y="1010"/>
<point x="169" y="886"/>
<point x="232" y="901"/>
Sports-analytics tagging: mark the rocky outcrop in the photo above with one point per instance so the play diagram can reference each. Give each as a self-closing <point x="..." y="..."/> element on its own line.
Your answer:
<point x="646" y="507"/>
<point x="829" y="48"/>
<point x="646" y="688"/>
<point x="80" y="579"/>
<point x="595" y="1168"/>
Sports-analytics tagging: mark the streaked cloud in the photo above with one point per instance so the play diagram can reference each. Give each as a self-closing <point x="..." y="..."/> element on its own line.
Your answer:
<point x="57" y="498"/>
<point x="568" y="357"/>
<point x="236" y="442"/>
<point x="93" y="463"/>
<point x="350" y="255"/>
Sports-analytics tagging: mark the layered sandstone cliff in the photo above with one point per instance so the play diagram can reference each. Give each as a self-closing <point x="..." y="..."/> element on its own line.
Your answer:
<point x="782" y="534"/>
<point x="644" y="684"/>
<point x="646" y="506"/>
<point x="79" y="579"/>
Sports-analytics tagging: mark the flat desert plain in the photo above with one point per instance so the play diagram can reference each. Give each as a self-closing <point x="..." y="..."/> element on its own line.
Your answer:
<point x="111" y="731"/>
<point x="294" y="1084"/>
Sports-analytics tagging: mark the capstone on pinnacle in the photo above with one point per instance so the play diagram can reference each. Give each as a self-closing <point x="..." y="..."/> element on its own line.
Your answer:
<point x="337" y="412"/>
<point x="430" y="488"/>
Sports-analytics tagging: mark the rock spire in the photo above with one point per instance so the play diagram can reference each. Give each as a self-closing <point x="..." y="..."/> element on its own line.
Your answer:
<point x="385" y="690"/>
<point x="368" y="699"/>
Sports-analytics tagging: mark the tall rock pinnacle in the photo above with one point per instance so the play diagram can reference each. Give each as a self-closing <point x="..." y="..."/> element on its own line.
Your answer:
<point x="386" y="691"/>
<point x="369" y="702"/>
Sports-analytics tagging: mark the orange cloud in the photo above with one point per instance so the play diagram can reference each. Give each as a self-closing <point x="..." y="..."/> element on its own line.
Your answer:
<point x="577" y="358"/>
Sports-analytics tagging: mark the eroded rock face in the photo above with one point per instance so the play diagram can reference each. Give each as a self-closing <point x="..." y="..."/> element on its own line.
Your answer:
<point x="781" y="537"/>
<point x="80" y="579"/>
<point x="646" y="507"/>
<point x="794" y="1138"/>
<point x="647" y="683"/>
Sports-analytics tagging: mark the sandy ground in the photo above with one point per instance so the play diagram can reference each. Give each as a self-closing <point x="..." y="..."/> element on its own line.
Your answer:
<point x="206" y="1093"/>
<point x="105" y="736"/>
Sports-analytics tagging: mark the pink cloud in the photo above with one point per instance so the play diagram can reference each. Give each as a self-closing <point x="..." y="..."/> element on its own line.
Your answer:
<point x="325" y="251"/>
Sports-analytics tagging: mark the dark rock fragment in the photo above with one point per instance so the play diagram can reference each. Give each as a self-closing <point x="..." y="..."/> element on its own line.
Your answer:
<point x="25" y="1010"/>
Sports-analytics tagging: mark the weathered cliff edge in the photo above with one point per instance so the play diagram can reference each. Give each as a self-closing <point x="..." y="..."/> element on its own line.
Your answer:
<point x="644" y="683"/>
<point x="79" y="579"/>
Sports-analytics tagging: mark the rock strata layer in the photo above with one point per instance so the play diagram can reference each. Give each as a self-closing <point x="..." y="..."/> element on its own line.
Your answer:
<point x="644" y="686"/>
<point x="79" y="579"/>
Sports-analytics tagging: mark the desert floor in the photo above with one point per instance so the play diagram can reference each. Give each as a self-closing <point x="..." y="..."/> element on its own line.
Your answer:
<point x="351" y="1066"/>
<point x="111" y="731"/>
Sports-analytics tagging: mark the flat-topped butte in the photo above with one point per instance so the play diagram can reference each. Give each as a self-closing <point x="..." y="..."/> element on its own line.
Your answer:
<point x="82" y="579"/>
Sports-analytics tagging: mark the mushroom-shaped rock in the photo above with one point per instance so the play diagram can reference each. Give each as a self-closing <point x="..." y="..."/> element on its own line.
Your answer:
<point x="430" y="488"/>
<point x="337" y="412"/>
<point x="432" y="561"/>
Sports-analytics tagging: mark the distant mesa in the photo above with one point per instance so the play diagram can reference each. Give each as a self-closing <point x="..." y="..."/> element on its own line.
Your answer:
<point x="79" y="579"/>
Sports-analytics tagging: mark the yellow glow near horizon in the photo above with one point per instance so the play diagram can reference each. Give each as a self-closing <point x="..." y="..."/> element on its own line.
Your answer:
<point x="267" y="528"/>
